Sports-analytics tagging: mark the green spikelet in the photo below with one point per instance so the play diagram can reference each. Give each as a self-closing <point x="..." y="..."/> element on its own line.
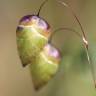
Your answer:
<point x="45" y="66"/>
<point x="32" y="35"/>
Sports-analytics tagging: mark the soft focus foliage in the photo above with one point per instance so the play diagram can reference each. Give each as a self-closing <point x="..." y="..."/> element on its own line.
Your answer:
<point x="74" y="77"/>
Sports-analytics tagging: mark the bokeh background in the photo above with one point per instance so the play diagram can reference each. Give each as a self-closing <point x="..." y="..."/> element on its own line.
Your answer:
<point x="74" y="77"/>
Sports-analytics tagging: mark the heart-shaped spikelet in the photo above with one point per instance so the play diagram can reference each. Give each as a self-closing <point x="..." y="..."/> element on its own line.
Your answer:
<point x="32" y="35"/>
<point x="45" y="66"/>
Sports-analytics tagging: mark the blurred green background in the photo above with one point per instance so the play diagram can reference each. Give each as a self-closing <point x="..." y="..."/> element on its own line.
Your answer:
<point x="74" y="77"/>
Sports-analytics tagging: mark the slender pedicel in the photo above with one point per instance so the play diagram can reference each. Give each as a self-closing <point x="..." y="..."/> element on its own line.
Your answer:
<point x="41" y="7"/>
<point x="66" y="29"/>
<point x="85" y="42"/>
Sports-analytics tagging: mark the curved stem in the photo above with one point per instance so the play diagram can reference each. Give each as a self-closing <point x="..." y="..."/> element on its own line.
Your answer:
<point x="63" y="28"/>
<point x="73" y="13"/>
<point x="41" y="7"/>
<point x="83" y="38"/>
<point x="91" y="65"/>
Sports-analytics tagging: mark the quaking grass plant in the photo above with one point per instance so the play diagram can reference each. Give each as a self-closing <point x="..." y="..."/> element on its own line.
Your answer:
<point x="35" y="48"/>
